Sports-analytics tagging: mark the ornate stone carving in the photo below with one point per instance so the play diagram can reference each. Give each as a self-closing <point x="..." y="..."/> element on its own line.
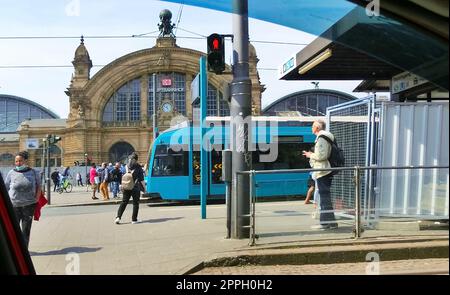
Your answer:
<point x="166" y="27"/>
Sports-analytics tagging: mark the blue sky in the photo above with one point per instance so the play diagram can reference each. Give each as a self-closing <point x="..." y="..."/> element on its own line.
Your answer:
<point x="113" y="17"/>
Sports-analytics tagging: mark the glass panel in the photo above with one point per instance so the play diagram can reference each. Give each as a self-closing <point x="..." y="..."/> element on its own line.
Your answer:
<point x="196" y="168"/>
<point x="125" y="104"/>
<point x="216" y="167"/>
<point x="172" y="163"/>
<point x="212" y="101"/>
<point x="108" y="115"/>
<point x="289" y="157"/>
<point x="323" y="104"/>
<point x="12" y="116"/>
<point x="224" y="108"/>
<point x="312" y="105"/>
<point x="333" y="100"/>
<point x="24" y="112"/>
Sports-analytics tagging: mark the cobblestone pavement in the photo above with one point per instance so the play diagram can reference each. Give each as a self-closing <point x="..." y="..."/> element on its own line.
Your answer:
<point x="414" y="266"/>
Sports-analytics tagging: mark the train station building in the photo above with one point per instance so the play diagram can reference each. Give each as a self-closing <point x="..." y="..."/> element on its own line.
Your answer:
<point x="111" y="113"/>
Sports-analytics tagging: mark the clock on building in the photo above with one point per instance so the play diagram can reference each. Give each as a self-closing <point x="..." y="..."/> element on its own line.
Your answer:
<point x="167" y="107"/>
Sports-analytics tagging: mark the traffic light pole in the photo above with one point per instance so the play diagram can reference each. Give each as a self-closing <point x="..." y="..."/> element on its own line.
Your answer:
<point x="48" y="172"/>
<point x="240" y="111"/>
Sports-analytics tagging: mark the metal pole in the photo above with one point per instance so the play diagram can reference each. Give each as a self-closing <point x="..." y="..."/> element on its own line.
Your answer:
<point x="154" y="106"/>
<point x="85" y="170"/>
<point x="48" y="172"/>
<point x="357" y="203"/>
<point x="228" y="201"/>
<point x="204" y="164"/>
<point x="252" y="206"/>
<point x="43" y="166"/>
<point x="240" y="111"/>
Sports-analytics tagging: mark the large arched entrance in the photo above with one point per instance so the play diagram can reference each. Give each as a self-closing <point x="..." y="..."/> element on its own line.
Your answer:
<point x="120" y="151"/>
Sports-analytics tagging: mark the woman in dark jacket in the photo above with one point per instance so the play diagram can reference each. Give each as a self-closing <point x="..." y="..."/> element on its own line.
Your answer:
<point x="138" y="179"/>
<point x="24" y="189"/>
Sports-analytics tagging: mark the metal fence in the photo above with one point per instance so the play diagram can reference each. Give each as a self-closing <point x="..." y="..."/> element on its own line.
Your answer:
<point x="352" y="125"/>
<point x="358" y="211"/>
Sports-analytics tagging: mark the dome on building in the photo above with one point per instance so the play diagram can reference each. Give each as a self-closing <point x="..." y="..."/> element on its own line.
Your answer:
<point x="251" y="50"/>
<point x="312" y="102"/>
<point x="165" y="14"/>
<point x="81" y="53"/>
<point x="14" y="110"/>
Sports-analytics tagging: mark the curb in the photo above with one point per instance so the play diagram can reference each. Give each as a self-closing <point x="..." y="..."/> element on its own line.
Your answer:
<point x="325" y="254"/>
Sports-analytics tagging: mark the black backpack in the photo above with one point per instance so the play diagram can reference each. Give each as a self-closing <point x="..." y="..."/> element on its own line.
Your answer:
<point x="336" y="158"/>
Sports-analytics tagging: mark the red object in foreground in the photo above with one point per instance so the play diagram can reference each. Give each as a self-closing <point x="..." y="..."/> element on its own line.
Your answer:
<point x="41" y="203"/>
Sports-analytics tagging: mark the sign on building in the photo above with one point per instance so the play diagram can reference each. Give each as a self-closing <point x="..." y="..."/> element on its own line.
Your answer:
<point x="405" y="81"/>
<point x="287" y="66"/>
<point x="32" y="143"/>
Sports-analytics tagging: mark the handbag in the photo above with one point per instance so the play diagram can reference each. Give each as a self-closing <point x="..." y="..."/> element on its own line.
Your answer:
<point x="42" y="201"/>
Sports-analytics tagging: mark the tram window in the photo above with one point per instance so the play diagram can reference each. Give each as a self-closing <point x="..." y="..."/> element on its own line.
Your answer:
<point x="168" y="162"/>
<point x="196" y="168"/>
<point x="289" y="157"/>
<point x="216" y="167"/>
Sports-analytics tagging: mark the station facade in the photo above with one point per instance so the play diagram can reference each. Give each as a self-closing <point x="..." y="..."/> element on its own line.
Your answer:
<point x="111" y="113"/>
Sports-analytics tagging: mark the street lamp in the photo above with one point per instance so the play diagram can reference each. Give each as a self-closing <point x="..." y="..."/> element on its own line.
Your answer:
<point x="85" y="170"/>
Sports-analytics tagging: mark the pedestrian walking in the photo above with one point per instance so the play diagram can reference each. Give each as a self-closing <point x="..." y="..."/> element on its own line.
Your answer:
<point x="104" y="182"/>
<point x="23" y="186"/>
<point x="94" y="179"/>
<point x="116" y="179"/>
<point x="79" y="179"/>
<point x="55" y="178"/>
<point x="132" y="185"/>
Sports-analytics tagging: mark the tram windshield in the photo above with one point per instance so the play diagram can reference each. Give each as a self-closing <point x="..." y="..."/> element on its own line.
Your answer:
<point x="170" y="161"/>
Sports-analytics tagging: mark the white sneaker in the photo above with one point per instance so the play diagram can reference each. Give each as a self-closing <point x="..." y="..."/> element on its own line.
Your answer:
<point x="135" y="222"/>
<point x="117" y="221"/>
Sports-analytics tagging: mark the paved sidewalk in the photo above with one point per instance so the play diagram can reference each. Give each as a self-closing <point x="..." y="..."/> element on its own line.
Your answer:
<point x="399" y="267"/>
<point x="174" y="240"/>
<point x="82" y="196"/>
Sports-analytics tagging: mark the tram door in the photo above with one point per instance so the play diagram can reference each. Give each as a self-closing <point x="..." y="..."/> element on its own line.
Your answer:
<point x="216" y="185"/>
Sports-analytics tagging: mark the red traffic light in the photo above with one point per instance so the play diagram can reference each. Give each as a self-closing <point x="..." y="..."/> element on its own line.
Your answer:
<point x="216" y="53"/>
<point x="216" y="44"/>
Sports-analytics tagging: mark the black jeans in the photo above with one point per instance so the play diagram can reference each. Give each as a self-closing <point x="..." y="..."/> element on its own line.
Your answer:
<point x="136" y="194"/>
<point x="324" y="185"/>
<point x="25" y="216"/>
<point x="56" y="185"/>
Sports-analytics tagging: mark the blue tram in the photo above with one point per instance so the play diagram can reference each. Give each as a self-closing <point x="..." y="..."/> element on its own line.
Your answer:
<point x="174" y="165"/>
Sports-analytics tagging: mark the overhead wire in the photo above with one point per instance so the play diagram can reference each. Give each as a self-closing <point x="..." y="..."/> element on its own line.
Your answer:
<point x="144" y="35"/>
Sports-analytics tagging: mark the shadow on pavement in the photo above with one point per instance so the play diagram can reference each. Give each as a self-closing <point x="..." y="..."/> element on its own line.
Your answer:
<point x="159" y="220"/>
<point x="65" y="251"/>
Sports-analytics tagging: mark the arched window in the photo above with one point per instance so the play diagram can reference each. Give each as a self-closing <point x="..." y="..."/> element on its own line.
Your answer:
<point x="125" y="104"/>
<point x="55" y="157"/>
<point x="6" y="160"/>
<point x="216" y="105"/>
<point x="211" y="101"/>
<point x="171" y="86"/>
<point x="120" y="151"/>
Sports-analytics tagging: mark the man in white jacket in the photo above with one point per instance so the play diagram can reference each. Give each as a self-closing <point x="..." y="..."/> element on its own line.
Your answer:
<point x="319" y="160"/>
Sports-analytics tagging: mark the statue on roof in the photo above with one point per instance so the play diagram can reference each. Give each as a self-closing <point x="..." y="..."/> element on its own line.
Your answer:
<point x="166" y="27"/>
